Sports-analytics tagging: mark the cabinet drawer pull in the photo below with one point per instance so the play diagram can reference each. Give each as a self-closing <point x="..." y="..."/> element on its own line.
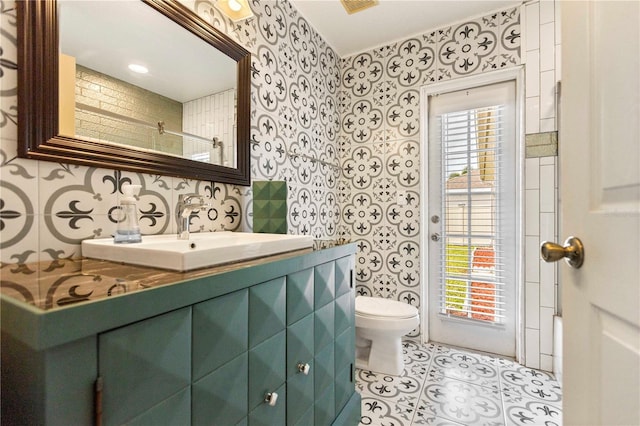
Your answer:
<point x="304" y="368"/>
<point x="271" y="398"/>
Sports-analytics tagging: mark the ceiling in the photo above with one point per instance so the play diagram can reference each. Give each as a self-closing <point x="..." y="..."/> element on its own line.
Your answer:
<point x="189" y="70"/>
<point x="388" y="21"/>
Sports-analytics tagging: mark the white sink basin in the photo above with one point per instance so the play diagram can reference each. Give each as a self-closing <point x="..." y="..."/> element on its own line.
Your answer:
<point x="199" y="251"/>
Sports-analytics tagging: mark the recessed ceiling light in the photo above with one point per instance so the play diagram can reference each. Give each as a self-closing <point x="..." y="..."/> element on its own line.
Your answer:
<point x="234" y="5"/>
<point x="236" y="10"/>
<point x="140" y="69"/>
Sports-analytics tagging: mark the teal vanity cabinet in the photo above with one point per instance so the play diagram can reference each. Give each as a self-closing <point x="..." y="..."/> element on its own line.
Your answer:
<point x="267" y="353"/>
<point x="145" y="369"/>
<point x="269" y="343"/>
<point x="220" y="362"/>
<point x="300" y="347"/>
<point x="344" y="332"/>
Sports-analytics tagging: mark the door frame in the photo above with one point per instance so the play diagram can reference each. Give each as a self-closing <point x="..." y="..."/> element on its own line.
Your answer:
<point x="510" y="74"/>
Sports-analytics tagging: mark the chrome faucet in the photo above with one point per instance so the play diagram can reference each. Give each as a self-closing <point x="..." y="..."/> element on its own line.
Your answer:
<point x="187" y="204"/>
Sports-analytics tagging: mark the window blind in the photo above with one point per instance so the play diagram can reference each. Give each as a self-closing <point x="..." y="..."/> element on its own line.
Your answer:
<point x="471" y="254"/>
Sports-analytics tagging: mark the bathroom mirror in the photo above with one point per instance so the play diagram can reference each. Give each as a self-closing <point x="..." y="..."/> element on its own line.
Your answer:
<point x="79" y="102"/>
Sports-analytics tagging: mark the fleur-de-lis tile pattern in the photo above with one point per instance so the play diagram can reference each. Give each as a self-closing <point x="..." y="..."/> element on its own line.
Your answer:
<point x="445" y="386"/>
<point x="47" y="209"/>
<point x="342" y="133"/>
<point x="380" y="141"/>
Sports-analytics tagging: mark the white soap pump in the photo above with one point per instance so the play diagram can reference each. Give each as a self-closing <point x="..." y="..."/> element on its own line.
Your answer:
<point x="128" y="230"/>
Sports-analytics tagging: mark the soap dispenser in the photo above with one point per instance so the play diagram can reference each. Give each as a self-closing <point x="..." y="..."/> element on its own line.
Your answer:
<point x="128" y="230"/>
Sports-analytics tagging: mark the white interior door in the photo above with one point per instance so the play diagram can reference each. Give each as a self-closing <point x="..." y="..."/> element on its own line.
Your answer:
<point x="600" y="204"/>
<point x="472" y="214"/>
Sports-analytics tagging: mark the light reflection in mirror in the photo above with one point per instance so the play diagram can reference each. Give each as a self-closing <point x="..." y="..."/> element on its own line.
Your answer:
<point x="184" y="106"/>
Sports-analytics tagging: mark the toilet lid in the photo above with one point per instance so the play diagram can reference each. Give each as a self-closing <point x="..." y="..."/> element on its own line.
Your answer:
<point x="379" y="307"/>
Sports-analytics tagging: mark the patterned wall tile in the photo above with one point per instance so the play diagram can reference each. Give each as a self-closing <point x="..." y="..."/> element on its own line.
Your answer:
<point x="510" y="37"/>
<point x="360" y="112"/>
<point x="410" y="64"/>
<point x="464" y="51"/>
<point x="303" y="211"/>
<point x="295" y="80"/>
<point x="402" y="163"/>
<point x="381" y="209"/>
<point x="78" y="202"/>
<point x="269" y="149"/>
<point x="18" y="209"/>
<point x="364" y="121"/>
<point x="402" y="117"/>
<point x="8" y="73"/>
<point x="360" y="73"/>
<point x="221" y="213"/>
<point x="369" y="261"/>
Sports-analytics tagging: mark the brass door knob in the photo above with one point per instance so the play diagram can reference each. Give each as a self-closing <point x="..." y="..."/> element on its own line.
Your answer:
<point x="572" y="252"/>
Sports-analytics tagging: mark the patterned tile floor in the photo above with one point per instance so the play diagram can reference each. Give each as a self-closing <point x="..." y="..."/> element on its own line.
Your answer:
<point x="449" y="386"/>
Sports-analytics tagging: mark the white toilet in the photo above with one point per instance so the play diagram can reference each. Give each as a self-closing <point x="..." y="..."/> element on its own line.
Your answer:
<point x="380" y="325"/>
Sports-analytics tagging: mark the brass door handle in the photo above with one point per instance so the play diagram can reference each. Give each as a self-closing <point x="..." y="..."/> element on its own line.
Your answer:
<point x="572" y="252"/>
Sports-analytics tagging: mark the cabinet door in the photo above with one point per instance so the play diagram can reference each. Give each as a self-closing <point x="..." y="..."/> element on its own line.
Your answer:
<point x="220" y="360"/>
<point x="172" y="411"/>
<point x="267" y="370"/>
<point x="300" y="370"/>
<point x="144" y="365"/>
<point x="344" y="275"/>
<point x="267" y="310"/>
<point x="267" y="340"/>
<point x="266" y="415"/>
<point x="220" y="398"/>
<point x="344" y="354"/>
<point x="344" y="332"/>
<point x="324" y="284"/>
<point x="324" y="409"/>
<point x="299" y="295"/>
<point x="220" y="331"/>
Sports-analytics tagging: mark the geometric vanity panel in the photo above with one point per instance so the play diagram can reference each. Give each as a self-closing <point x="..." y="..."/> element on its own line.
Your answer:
<point x="221" y="397"/>
<point x="144" y="363"/>
<point x="266" y="369"/>
<point x="300" y="385"/>
<point x="220" y="331"/>
<point x="343" y="313"/>
<point x="343" y="275"/>
<point x="299" y="295"/>
<point x="324" y="284"/>
<point x="267" y="310"/>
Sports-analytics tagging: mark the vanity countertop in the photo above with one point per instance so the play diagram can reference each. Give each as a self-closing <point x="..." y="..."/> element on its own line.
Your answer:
<point x="49" y="303"/>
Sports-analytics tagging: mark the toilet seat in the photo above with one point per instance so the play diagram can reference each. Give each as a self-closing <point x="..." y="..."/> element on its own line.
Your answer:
<point x="377" y="307"/>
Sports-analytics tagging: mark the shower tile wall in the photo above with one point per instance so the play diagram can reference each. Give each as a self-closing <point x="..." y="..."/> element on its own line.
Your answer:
<point x="541" y="52"/>
<point x="197" y="117"/>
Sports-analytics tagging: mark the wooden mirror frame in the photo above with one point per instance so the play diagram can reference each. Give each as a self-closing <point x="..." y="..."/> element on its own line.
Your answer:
<point x="38" y="115"/>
